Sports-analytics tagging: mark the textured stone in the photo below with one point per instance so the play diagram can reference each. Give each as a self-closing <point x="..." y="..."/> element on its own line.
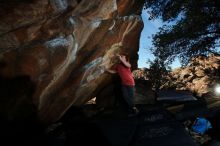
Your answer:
<point x="62" y="46"/>
<point x="199" y="76"/>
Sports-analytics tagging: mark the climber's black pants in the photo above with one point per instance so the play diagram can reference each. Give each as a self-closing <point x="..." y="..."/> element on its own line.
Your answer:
<point x="128" y="95"/>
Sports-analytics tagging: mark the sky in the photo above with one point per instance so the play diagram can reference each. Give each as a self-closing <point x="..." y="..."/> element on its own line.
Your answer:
<point x="150" y="28"/>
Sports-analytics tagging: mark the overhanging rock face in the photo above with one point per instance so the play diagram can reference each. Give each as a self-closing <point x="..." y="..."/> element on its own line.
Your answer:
<point x="61" y="46"/>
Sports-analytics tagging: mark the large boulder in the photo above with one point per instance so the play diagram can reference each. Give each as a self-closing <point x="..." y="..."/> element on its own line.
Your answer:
<point x="61" y="47"/>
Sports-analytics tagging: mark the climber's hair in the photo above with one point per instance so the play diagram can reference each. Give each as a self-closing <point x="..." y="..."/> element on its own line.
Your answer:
<point x="126" y="55"/>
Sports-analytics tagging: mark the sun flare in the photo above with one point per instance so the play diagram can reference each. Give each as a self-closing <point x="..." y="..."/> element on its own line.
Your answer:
<point x="217" y="89"/>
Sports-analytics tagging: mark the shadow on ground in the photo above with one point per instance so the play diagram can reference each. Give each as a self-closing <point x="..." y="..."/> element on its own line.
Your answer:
<point x="88" y="125"/>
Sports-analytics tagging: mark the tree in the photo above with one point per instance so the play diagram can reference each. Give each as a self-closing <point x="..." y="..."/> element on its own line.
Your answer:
<point x="158" y="73"/>
<point x="191" y="28"/>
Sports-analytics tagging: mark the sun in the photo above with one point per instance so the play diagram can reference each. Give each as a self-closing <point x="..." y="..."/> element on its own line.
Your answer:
<point x="217" y="89"/>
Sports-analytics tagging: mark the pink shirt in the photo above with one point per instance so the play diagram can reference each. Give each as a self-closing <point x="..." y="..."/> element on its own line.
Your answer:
<point x="125" y="75"/>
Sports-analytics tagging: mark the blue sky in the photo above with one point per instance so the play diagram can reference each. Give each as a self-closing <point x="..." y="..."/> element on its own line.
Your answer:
<point x="150" y="27"/>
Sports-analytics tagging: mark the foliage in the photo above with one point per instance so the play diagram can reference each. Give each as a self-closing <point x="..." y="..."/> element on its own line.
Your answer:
<point x="191" y="28"/>
<point x="158" y="73"/>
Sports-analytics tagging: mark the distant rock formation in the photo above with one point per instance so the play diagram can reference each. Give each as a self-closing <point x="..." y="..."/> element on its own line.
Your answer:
<point x="199" y="76"/>
<point x="61" y="46"/>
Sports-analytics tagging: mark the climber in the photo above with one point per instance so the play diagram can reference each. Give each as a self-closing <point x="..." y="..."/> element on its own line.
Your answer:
<point x="127" y="81"/>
